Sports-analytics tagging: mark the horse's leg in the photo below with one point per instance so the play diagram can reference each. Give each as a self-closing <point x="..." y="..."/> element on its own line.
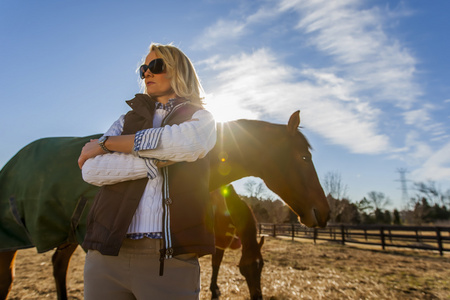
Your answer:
<point x="6" y="272"/>
<point x="216" y="261"/>
<point x="60" y="260"/>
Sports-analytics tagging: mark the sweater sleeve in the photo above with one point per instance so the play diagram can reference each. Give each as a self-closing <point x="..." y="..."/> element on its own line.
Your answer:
<point x="113" y="168"/>
<point x="116" y="167"/>
<point x="187" y="141"/>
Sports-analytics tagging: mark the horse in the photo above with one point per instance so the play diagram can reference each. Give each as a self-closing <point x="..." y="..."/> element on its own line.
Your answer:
<point x="44" y="201"/>
<point x="234" y="228"/>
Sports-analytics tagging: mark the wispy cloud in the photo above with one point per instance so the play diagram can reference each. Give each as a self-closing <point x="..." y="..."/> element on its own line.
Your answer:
<point x="422" y="119"/>
<point x="370" y="84"/>
<point x="228" y="30"/>
<point x="355" y="39"/>
<point x="327" y="107"/>
<point x="223" y="30"/>
<point x="417" y="116"/>
<point x="436" y="167"/>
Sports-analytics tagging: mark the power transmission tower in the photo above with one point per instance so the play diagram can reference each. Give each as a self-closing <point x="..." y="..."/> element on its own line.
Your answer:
<point x="404" y="187"/>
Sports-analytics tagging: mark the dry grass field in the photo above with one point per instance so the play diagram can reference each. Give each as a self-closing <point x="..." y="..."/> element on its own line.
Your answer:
<point x="293" y="270"/>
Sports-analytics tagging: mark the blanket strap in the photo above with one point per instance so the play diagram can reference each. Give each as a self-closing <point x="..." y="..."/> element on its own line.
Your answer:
<point x="75" y="220"/>
<point x="17" y="218"/>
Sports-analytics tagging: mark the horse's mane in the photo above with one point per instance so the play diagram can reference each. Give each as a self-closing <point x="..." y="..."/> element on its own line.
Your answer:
<point x="254" y="125"/>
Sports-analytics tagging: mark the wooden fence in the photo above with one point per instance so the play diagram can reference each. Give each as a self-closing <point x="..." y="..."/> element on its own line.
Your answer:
<point x="412" y="237"/>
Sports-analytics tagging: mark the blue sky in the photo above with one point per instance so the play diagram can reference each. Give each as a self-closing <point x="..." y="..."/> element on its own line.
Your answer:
<point x="371" y="78"/>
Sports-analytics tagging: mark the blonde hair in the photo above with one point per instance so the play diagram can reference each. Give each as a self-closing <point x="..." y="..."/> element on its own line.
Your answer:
<point x="181" y="72"/>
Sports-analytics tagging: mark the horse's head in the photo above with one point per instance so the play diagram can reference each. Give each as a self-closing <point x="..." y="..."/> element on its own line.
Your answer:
<point x="250" y="266"/>
<point x="281" y="157"/>
<point x="291" y="174"/>
<point x="278" y="154"/>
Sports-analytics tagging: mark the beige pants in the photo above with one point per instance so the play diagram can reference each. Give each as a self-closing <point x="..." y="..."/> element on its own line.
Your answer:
<point x="134" y="274"/>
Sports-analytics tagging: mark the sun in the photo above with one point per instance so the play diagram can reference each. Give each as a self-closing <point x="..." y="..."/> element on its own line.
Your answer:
<point x="225" y="110"/>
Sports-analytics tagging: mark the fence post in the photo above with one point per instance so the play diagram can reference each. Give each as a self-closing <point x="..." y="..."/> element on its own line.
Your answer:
<point x="439" y="240"/>
<point x="383" y="243"/>
<point x="441" y="234"/>
<point x="260" y="229"/>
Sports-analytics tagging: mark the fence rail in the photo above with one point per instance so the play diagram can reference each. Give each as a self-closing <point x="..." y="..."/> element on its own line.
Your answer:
<point x="412" y="237"/>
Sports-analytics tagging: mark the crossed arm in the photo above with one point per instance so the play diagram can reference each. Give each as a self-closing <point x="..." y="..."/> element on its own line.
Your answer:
<point x="138" y="155"/>
<point x="120" y="143"/>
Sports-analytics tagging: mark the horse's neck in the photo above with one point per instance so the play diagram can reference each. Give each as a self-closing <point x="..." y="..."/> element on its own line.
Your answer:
<point x="230" y="156"/>
<point x="242" y="218"/>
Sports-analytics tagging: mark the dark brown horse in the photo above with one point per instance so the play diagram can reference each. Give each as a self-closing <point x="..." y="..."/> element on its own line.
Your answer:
<point x="235" y="227"/>
<point x="44" y="201"/>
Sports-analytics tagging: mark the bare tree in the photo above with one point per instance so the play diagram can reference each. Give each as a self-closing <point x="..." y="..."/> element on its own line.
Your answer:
<point x="333" y="185"/>
<point x="430" y="191"/>
<point x="378" y="199"/>
<point x="257" y="190"/>
<point x="447" y="197"/>
<point x="335" y="191"/>
<point x="364" y="205"/>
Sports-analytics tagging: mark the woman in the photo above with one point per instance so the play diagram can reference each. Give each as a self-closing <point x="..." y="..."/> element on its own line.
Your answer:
<point x="151" y="219"/>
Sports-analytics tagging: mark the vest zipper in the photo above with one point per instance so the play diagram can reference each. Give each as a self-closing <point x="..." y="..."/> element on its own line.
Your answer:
<point x="167" y="251"/>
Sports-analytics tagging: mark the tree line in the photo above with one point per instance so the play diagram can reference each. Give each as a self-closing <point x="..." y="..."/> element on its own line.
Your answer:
<point x="428" y="206"/>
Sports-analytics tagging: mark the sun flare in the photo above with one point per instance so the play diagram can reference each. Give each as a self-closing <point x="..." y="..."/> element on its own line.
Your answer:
<point x="225" y="110"/>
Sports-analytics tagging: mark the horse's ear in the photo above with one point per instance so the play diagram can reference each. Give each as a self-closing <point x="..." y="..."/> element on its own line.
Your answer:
<point x="294" y="122"/>
<point x="261" y="242"/>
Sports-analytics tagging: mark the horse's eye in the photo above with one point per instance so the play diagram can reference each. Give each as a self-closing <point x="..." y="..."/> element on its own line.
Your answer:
<point x="306" y="158"/>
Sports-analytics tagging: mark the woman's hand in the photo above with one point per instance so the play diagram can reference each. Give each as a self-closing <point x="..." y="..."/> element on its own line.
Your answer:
<point x="90" y="150"/>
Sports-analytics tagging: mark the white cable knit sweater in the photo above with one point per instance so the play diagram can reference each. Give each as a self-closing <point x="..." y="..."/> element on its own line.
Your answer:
<point x="187" y="141"/>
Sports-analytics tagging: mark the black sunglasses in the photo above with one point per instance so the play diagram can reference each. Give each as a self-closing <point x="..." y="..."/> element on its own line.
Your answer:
<point x="156" y="66"/>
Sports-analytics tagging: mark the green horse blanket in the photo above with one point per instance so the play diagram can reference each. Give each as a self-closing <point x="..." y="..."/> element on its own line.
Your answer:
<point x="43" y="198"/>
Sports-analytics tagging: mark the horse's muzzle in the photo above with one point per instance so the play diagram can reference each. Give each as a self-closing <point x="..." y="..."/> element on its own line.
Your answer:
<point x="321" y="220"/>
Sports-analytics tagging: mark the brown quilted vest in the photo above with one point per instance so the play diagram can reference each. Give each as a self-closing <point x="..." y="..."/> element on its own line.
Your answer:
<point x="189" y="225"/>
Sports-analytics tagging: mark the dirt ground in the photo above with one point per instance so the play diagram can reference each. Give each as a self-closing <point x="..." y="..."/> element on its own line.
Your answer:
<point x="292" y="270"/>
